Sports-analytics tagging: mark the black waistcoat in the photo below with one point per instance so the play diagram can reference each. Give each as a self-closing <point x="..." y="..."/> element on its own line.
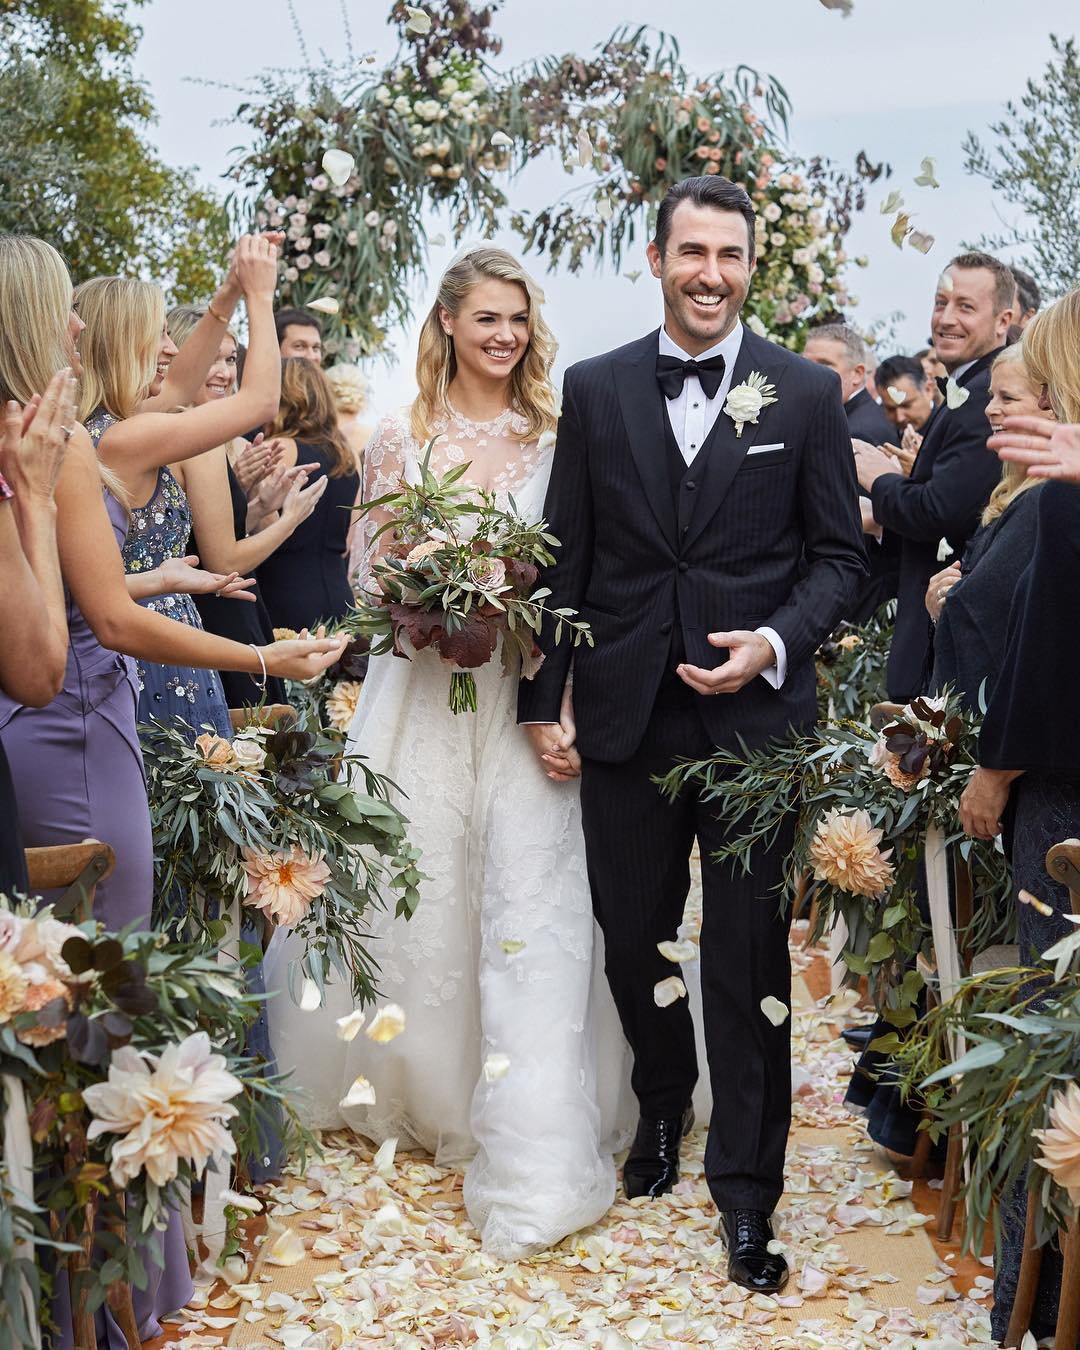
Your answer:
<point x="685" y="480"/>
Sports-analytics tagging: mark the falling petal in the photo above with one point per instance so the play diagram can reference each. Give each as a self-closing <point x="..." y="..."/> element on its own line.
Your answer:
<point x="326" y="304"/>
<point x="360" y="1094"/>
<point x="513" y="945"/>
<point x="901" y="225"/>
<point x="926" y="178"/>
<point x="419" y="21"/>
<point x="350" y="1024"/>
<point x="892" y="202"/>
<point x="923" y="242"/>
<point x="437" y="240"/>
<point x="387" y="1023"/>
<point x="944" y="550"/>
<point x="844" y="6"/>
<point x="604" y="208"/>
<point x="955" y="394"/>
<point x="945" y="282"/>
<point x="310" y="998"/>
<point x="1039" y="906"/>
<point x="338" y="165"/>
<point x="677" y="951"/>
<point x="774" y="1010"/>
<point x="632" y="276"/>
<point x="496" y="1066"/>
<point x="501" y="140"/>
<point x="250" y="1204"/>
<point x="668" y="991"/>
<point x="286" y="1248"/>
<point x="584" y="148"/>
<point x="845" y="1000"/>
<point x="384" y="1158"/>
<point x="546" y="442"/>
<point x="897" y="395"/>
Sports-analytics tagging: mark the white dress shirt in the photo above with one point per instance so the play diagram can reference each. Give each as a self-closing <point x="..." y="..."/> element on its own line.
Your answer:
<point x="692" y="417"/>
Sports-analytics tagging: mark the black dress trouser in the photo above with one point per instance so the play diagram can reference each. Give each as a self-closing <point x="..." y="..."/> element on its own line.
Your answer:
<point x="638" y="850"/>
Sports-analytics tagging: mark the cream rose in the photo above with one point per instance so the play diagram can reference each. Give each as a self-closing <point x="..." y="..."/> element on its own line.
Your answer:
<point x="216" y="751"/>
<point x="744" y="403"/>
<point x="249" y="753"/>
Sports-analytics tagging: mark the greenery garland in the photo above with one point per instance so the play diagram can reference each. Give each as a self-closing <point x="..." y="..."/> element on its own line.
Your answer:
<point x="440" y="128"/>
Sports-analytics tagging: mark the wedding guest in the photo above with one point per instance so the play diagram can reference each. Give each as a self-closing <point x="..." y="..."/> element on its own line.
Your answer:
<point x="938" y="507"/>
<point x="840" y="348"/>
<point x="909" y="398"/>
<point x="33" y="653"/>
<point x="931" y="365"/>
<point x="131" y="390"/>
<point x="350" y="388"/>
<point x="969" y="603"/>
<point x="299" y="333"/>
<point x="1028" y="297"/>
<point x="1028" y="778"/>
<point x="306" y="580"/>
<point x="231" y="533"/>
<point x="76" y="763"/>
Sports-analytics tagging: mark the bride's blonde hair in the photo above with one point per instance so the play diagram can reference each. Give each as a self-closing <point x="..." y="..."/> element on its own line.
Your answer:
<point x="532" y="394"/>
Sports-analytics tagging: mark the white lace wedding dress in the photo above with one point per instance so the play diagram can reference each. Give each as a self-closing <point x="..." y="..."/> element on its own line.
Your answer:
<point x="501" y="963"/>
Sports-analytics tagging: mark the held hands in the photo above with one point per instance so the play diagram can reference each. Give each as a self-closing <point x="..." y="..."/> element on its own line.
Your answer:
<point x="940" y="586"/>
<point x="184" y="576"/>
<point x="232" y="288"/>
<point x="554" y="743"/>
<point x="1048" y="449"/>
<point x="255" y="266"/>
<point x="748" y="655"/>
<point x="34" y="439"/>
<point x="304" y="657"/>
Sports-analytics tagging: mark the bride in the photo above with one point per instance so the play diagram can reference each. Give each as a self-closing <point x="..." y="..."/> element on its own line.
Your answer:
<point x="512" y="1059"/>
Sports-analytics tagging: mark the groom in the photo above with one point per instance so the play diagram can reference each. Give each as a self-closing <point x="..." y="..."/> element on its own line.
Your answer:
<point x="710" y="553"/>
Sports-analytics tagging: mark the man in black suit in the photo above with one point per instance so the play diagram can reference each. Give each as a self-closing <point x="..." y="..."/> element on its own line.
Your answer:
<point x="909" y="397"/>
<point x="938" y="507"/>
<point x="712" y="541"/>
<point x="842" y="350"/>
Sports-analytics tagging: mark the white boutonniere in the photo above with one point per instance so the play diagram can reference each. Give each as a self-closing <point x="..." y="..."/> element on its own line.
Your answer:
<point x="955" y="394"/>
<point x="746" y="400"/>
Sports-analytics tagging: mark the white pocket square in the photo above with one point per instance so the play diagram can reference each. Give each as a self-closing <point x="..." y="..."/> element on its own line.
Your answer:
<point x="760" y="449"/>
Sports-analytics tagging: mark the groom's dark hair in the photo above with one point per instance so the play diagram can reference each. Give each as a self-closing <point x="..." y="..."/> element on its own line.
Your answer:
<point x="705" y="190"/>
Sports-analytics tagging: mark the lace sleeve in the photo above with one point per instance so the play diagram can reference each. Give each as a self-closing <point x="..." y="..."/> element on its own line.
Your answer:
<point x="386" y="459"/>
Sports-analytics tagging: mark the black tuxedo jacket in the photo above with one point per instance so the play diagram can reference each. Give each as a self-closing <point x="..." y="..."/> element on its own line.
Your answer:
<point x="951" y="482"/>
<point x="867" y="422"/>
<point x="774" y="539"/>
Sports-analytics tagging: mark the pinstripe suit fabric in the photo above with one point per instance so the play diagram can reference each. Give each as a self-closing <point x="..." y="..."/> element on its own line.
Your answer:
<point x="772" y="538"/>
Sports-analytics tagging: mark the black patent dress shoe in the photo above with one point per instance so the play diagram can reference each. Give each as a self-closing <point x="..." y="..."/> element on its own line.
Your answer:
<point x="652" y="1165"/>
<point x="858" y="1037"/>
<point x="747" y="1233"/>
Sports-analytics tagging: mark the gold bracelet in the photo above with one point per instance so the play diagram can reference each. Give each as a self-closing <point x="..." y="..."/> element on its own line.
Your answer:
<point x="215" y="315"/>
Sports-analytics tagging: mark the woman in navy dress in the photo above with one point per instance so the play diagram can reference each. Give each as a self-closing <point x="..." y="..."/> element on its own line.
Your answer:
<point x="76" y="764"/>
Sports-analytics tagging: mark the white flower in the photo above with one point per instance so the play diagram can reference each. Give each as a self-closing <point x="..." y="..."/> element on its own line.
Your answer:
<point x="248" y="752"/>
<point x="389" y="227"/>
<point x="382" y="95"/>
<point x="303" y="243"/>
<point x="303" y="262"/>
<point x="372" y="219"/>
<point x="352" y="239"/>
<point x="746" y="400"/>
<point x="320" y="183"/>
<point x="419" y="21"/>
<point x="322" y="258"/>
<point x="291" y="274"/>
<point x="772" y="212"/>
<point x="166" y="1108"/>
<point x="322" y="230"/>
<point x="955" y="394"/>
<point x="303" y="206"/>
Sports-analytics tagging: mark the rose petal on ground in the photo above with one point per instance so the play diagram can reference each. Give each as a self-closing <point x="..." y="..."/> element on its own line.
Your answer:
<point x="285" y="1248"/>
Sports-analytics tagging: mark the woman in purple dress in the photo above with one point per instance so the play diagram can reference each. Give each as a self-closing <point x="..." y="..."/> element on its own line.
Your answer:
<point x="76" y="764"/>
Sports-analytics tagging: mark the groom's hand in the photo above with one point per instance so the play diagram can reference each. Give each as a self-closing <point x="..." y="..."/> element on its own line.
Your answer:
<point x="748" y="655"/>
<point x="554" y="746"/>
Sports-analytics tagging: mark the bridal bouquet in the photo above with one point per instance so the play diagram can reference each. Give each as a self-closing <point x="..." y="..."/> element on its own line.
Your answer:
<point x="456" y="576"/>
<point x="865" y="799"/>
<point x="279" y="825"/>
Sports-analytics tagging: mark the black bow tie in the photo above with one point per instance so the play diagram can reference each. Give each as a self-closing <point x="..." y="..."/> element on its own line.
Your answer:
<point x="942" y="383"/>
<point x="671" y="374"/>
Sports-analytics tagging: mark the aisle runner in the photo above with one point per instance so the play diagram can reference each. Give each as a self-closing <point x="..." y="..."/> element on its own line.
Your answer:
<point x="390" y="1260"/>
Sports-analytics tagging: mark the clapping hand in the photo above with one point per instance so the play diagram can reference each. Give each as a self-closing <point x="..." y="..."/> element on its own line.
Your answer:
<point x="184" y="576"/>
<point x="940" y="586"/>
<point x="255" y="461"/>
<point x="1047" y="449"/>
<point x="35" y="438"/>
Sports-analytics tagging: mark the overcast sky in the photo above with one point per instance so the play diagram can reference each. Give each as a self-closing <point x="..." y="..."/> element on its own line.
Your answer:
<point x="898" y="80"/>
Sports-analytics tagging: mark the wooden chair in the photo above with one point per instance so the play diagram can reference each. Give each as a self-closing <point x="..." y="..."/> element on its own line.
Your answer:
<point x="1063" y="864"/>
<point x="76" y="869"/>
